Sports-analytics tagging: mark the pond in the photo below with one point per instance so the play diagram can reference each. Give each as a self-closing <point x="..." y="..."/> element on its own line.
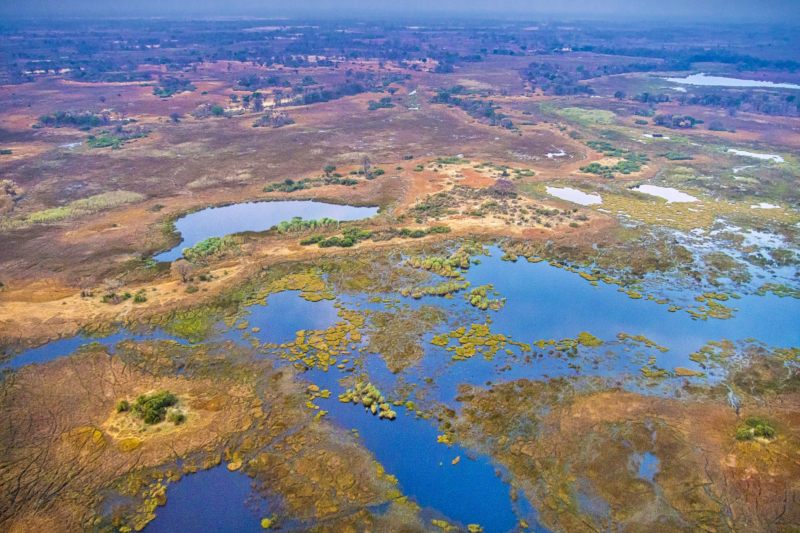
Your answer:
<point x="667" y="193"/>
<point x="256" y="216"/>
<point x="574" y="195"/>
<point x="717" y="81"/>
<point x="773" y="157"/>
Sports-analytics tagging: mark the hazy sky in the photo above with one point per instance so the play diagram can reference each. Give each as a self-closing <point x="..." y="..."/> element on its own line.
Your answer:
<point x="783" y="11"/>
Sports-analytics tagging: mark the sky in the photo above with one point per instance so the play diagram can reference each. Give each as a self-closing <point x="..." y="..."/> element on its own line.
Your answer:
<point x="786" y="12"/>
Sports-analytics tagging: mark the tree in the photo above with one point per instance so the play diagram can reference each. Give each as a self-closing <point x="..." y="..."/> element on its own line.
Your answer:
<point x="502" y="187"/>
<point x="258" y="105"/>
<point x="182" y="268"/>
<point x="367" y="164"/>
<point x="392" y="90"/>
<point x="329" y="169"/>
<point x="619" y="95"/>
<point x="277" y="96"/>
<point x="175" y="117"/>
<point x="217" y="110"/>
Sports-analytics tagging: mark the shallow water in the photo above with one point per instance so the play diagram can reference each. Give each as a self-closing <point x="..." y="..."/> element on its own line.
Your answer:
<point x="776" y="158"/>
<point x="718" y="81"/>
<point x="543" y="302"/>
<point x="574" y="195"/>
<point x="212" y="501"/>
<point x="258" y="216"/>
<point x="668" y="193"/>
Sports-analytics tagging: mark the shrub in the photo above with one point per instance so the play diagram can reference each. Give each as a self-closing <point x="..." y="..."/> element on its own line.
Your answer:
<point x="641" y="122"/>
<point x="717" y="126"/>
<point x="676" y="156"/>
<point x="217" y="110"/>
<point x="139" y="299"/>
<point x="419" y="168"/>
<point x="191" y="289"/>
<point x="153" y="409"/>
<point x="573" y="224"/>
<point x="314" y="239"/>
<point x="176" y="418"/>
<point x="123" y="406"/>
<point x="755" y="427"/>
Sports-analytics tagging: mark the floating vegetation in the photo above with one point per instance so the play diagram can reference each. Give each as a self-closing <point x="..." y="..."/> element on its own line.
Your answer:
<point x="478" y="339"/>
<point x="779" y="290"/>
<point x="320" y="348"/>
<point x="371" y="398"/>
<point x="442" y="266"/>
<point x="442" y="289"/>
<point x="478" y="298"/>
<point x="642" y="339"/>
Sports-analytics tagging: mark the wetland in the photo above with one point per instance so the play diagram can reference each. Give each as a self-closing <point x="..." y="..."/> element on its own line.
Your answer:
<point x="249" y="294"/>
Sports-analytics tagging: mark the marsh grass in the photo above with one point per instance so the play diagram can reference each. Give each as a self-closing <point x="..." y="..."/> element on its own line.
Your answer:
<point x="78" y="208"/>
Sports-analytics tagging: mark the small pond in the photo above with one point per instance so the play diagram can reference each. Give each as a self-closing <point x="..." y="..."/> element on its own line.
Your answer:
<point x="718" y="81"/>
<point x="257" y="216"/>
<point x="773" y="157"/>
<point x="574" y="195"/>
<point x="667" y="193"/>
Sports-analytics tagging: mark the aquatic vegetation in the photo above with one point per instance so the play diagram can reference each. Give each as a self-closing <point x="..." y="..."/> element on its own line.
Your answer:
<point x="297" y="224"/>
<point x="320" y="348"/>
<point x="478" y="298"/>
<point x="442" y="289"/>
<point x="478" y="339"/>
<point x="371" y="398"/>
<point x="633" y="206"/>
<point x="780" y="290"/>
<point x="443" y="266"/>
<point x="642" y="339"/>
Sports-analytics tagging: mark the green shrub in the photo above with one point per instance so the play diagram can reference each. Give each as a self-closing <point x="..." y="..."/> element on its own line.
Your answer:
<point x="573" y="224"/>
<point x="176" y="418"/>
<point x="641" y="122"/>
<point x="123" y="406"/>
<point x="139" y="299"/>
<point x="191" y="289"/>
<point x="419" y="168"/>
<point x="217" y="110"/>
<point x="676" y="156"/>
<point x="755" y="427"/>
<point x="314" y="239"/>
<point x="153" y="409"/>
<point x="5" y="152"/>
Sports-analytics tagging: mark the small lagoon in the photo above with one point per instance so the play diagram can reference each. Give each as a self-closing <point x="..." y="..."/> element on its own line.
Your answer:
<point x="574" y="195"/>
<point x="256" y="216"/>
<point x="719" y="81"/>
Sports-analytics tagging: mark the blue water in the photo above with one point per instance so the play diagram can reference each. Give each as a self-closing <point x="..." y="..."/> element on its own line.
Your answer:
<point x="648" y="466"/>
<point x="64" y="347"/>
<point x="259" y="216"/>
<point x="211" y="501"/>
<point x="283" y="315"/>
<point x="543" y="302"/>
<point x="469" y="491"/>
